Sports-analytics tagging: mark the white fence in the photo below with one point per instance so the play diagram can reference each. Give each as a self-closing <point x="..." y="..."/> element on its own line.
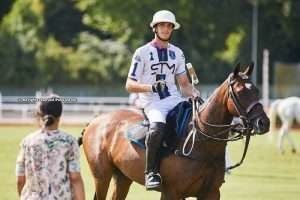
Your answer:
<point x="20" y="109"/>
<point x="76" y="109"/>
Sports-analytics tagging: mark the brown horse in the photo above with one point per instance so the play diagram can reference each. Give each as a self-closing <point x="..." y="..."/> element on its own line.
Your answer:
<point x="200" y="174"/>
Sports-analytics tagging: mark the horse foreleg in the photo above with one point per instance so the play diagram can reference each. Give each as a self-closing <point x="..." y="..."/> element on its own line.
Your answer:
<point x="291" y="142"/>
<point x="282" y="134"/>
<point x="102" y="176"/>
<point x="101" y="186"/>
<point x="122" y="185"/>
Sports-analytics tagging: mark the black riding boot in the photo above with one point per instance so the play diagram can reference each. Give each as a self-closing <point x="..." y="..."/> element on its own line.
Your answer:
<point x="153" y="144"/>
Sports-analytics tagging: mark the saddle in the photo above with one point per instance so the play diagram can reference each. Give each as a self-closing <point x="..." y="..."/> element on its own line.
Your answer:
<point x="177" y="124"/>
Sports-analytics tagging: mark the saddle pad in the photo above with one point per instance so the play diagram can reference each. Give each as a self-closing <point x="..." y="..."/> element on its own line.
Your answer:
<point x="137" y="134"/>
<point x="179" y="117"/>
<point x="176" y="127"/>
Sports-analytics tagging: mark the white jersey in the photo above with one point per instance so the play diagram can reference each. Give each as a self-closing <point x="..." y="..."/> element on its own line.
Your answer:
<point x="150" y="64"/>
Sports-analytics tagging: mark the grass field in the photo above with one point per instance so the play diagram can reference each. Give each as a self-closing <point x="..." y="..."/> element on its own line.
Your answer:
<point x="265" y="174"/>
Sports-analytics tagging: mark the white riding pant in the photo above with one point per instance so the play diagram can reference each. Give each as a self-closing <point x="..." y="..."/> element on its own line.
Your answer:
<point x="157" y="111"/>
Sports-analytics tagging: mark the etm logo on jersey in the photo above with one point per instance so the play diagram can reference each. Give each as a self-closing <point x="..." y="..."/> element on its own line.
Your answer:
<point x="161" y="68"/>
<point x="172" y="54"/>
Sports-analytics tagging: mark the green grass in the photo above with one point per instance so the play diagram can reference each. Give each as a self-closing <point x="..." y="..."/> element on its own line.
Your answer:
<point x="265" y="174"/>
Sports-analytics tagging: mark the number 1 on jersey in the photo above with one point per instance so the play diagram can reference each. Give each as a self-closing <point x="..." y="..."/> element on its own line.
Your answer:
<point x="134" y="69"/>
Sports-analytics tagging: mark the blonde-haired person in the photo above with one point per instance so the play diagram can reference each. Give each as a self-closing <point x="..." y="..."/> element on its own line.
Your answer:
<point x="48" y="161"/>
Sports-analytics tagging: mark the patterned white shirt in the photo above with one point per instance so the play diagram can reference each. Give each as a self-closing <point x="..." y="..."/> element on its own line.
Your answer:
<point x="150" y="64"/>
<point x="45" y="159"/>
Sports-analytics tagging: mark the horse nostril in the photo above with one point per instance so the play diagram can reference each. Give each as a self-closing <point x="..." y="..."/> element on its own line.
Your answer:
<point x="262" y="125"/>
<point x="259" y="123"/>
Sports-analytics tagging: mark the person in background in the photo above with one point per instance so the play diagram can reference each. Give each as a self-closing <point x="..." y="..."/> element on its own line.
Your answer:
<point x="48" y="161"/>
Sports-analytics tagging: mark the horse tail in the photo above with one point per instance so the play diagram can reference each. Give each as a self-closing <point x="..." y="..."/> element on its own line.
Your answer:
<point x="79" y="140"/>
<point x="272" y="116"/>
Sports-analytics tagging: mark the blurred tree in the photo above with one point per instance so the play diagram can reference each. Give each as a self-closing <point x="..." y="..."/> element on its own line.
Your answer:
<point x="5" y="6"/>
<point x="91" y="41"/>
<point x="97" y="60"/>
<point x="62" y="20"/>
<point x="279" y="30"/>
<point x="203" y="36"/>
<point x="19" y="38"/>
<point x="56" y="54"/>
<point x="17" y="66"/>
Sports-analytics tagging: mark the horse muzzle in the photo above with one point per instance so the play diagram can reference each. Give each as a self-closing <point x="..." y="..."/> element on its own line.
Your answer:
<point x="261" y="125"/>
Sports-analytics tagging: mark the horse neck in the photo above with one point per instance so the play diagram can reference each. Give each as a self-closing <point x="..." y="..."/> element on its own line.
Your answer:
<point x="216" y="112"/>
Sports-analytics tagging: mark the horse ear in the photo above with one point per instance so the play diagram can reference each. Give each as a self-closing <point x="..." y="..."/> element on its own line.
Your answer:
<point x="237" y="69"/>
<point x="249" y="69"/>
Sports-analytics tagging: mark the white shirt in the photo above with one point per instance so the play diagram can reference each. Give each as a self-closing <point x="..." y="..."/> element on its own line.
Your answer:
<point x="150" y="64"/>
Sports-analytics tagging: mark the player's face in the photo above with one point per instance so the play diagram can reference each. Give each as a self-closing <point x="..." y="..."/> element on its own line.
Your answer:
<point x="164" y="30"/>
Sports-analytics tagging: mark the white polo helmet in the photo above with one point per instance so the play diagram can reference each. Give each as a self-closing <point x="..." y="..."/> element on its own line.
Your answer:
<point x="164" y="16"/>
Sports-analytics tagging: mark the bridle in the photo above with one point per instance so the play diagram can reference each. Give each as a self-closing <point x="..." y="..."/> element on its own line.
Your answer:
<point x="242" y="112"/>
<point x="242" y="129"/>
<point x="239" y="130"/>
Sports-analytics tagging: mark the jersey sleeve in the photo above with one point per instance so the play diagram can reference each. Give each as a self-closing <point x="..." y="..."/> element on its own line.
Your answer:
<point x="20" y="165"/>
<point x="136" y="67"/>
<point x="73" y="157"/>
<point x="181" y="63"/>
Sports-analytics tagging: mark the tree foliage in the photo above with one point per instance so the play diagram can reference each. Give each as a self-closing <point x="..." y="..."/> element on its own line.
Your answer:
<point x="91" y="41"/>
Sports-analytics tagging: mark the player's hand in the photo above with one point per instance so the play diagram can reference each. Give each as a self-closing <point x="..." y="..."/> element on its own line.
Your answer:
<point x="160" y="87"/>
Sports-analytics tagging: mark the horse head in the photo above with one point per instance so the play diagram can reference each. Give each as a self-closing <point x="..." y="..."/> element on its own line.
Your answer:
<point x="243" y="100"/>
